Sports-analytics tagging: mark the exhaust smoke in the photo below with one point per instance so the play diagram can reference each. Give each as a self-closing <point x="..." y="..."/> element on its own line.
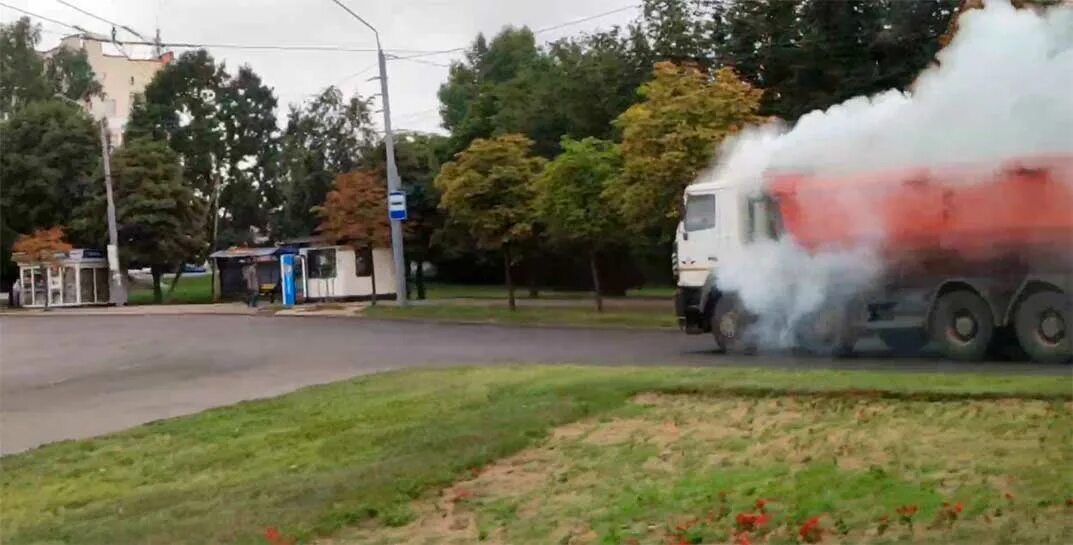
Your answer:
<point x="1003" y="88"/>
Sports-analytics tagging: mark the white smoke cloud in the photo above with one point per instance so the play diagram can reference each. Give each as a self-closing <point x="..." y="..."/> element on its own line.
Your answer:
<point x="1002" y="88"/>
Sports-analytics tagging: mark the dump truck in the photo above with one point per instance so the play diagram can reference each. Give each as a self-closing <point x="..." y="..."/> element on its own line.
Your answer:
<point x="974" y="257"/>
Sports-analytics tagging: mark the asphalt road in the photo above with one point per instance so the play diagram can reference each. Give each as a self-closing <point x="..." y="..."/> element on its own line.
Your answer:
<point x="64" y="377"/>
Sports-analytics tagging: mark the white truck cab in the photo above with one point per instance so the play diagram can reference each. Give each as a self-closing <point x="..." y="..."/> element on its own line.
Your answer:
<point x="719" y="219"/>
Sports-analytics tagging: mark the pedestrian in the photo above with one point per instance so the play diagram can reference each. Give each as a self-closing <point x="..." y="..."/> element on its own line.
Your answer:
<point x="253" y="287"/>
<point x="15" y="299"/>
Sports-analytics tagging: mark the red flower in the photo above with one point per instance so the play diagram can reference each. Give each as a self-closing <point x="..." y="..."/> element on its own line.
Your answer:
<point x="751" y="521"/>
<point x="958" y="507"/>
<point x="810" y="531"/>
<point x="742" y="539"/>
<point x="760" y="504"/>
<point x="274" y="537"/>
<point x="907" y="511"/>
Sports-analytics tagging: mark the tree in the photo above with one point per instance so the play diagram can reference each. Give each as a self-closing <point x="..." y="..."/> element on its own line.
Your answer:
<point x="675" y="30"/>
<point x="22" y="71"/>
<point x="572" y="202"/>
<point x="68" y="73"/>
<point x="595" y="79"/>
<point x="355" y="212"/>
<point x="669" y="137"/>
<point x="325" y="137"/>
<point x="42" y="246"/>
<point x="224" y="130"/>
<point x="48" y="153"/>
<point x="484" y="94"/>
<point x="487" y="190"/>
<point x="418" y="158"/>
<point x="251" y="143"/>
<point x="161" y="220"/>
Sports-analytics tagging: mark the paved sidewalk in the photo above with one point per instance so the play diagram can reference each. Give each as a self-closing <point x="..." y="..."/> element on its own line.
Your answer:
<point x="142" y="310"/>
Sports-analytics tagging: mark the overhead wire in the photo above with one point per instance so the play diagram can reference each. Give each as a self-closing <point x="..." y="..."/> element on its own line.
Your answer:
<point x="537" y="31"/>
<point x="43" y="18"/>
<point x="102" y="19"/>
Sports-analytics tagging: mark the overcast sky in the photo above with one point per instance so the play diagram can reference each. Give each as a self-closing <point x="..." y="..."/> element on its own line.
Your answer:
<point x="403" y="24"/>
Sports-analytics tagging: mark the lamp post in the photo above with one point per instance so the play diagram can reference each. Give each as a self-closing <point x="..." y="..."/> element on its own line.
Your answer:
<point x="117" y="294"/>
<point x="392" y="171"/>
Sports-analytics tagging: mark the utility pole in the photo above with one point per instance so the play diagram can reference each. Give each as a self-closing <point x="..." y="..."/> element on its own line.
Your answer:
<point x="393" y="183"/>
<point x="117" y="294"/>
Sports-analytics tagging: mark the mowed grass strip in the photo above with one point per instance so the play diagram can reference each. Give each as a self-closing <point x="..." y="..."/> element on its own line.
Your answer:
<point x="361" y="452"/>
<point x="570" y="316"/>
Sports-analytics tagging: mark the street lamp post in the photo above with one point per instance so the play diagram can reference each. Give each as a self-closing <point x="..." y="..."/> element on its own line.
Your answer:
<point x="392" y="171"/>
<point x="117" y="294"/>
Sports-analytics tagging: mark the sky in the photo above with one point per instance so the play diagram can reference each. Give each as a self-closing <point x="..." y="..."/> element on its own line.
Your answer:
<point x="426" y="25"/>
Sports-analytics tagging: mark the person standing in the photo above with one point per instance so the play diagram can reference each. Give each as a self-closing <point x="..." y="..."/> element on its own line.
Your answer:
<point x="253" y="287"/>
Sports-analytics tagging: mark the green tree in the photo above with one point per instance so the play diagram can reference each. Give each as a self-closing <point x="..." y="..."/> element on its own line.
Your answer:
<point x="418" y="158"/>
<point x="325" y="137"/>
<point x="487" y="190"/>
<point x="161" y="221"/>
<point x="48" y="153"/>
<point x="671" y="135"/>
<point x="251" y="143"/>
<point x="224" y="129"/>
<point x="676" y="30"/>
<point x="68" y="73"/>
<point x="485" y="93"/>
<point x="595" y="79"/>
<point x="22" y="70"/>
<point x="573" y="204"/>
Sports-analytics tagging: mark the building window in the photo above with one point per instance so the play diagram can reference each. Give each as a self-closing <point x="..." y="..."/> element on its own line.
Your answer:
<point x="132" y="80"/>
<point x="363" y="262"/>
<point x="321" y="263"/>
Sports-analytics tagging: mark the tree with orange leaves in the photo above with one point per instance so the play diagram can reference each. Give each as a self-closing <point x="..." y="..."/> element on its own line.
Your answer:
<point x="42" y="247"/>
<point x="355" y="212"/>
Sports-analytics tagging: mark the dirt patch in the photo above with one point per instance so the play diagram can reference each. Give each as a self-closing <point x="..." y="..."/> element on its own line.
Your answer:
<point x="651" y="475"/>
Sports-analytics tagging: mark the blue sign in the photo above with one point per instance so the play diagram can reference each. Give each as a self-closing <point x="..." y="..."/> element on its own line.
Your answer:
<point x="396" y="206"/>
<point x="286" y="279"/>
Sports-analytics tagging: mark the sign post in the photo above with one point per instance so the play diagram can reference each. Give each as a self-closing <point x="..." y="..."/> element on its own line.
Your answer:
<point x="396" y="206"/>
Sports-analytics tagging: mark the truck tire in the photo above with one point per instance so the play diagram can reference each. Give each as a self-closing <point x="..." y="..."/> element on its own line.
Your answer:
<point x="908" y="341"/>
<point x="962" y="325"/>
<point x="827" y="332"/>
<point x="1043" y="327"/>
<point x="730" y="326"/>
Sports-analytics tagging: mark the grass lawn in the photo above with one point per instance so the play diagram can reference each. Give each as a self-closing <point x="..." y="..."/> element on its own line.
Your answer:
<point x="191" y="290"/>
<point x="576" y="316"/>
<point x="560" y="454"/>
<point x="437" y="290"/>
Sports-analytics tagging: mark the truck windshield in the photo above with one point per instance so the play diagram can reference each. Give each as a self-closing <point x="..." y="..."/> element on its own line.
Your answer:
<point x="700" y="212"/>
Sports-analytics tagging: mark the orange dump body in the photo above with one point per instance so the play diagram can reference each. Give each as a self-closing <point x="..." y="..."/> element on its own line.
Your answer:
<point x="1018" y="207"/>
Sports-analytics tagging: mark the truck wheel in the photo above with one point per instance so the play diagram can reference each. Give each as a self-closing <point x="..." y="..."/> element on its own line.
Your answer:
<point x="827" y="332"/>
<point x="730" y="324"/>
<point x="1043" y="324"/>
<point x="904" y="341"/>
<point x="962" y="325"/>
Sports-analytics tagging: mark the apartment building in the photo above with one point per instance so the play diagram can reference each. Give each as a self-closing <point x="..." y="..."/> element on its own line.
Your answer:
<point x="123" y="73"/>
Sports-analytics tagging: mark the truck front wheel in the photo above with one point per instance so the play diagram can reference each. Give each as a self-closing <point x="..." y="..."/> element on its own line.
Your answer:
<point x="1043" y="321"/>
<point x="730" y="323"/>
<point x="962" y="325"/>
